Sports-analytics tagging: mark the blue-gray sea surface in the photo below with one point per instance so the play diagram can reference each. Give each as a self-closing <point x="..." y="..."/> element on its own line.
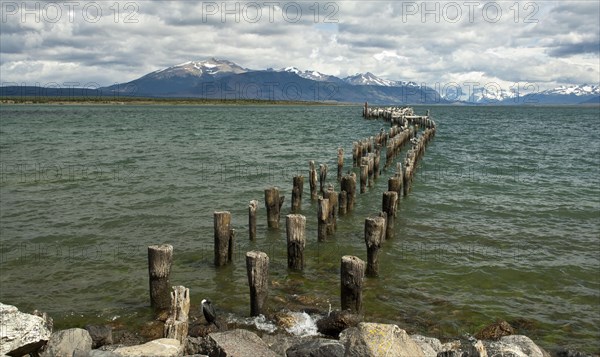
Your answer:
<point x="503" y="220"/>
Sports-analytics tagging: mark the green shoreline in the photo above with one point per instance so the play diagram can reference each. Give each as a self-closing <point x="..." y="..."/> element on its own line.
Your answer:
<point x="156" y="101"/>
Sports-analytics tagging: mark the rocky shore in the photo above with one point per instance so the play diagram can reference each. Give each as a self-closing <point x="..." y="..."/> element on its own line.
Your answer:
<point x="340" y="334"/>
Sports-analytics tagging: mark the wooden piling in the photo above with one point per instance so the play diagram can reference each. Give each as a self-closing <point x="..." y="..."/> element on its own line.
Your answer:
<point x="257" y="266"/>
<point x="224" y="236"/>
<point x="322" y="216"/>
<point x="364" y="175"/>
<point x="340" y="163"/>
<point x="322" y="178"/>
<point x="177" y="325"/>
<point x="389" y="205"/>
<point x="343" y="202"/>
<point x="295" y="229"/>
<point x="348" y="184"/>
<point x="332" y="196"/>
<point x="160" y="259"/>
<point x="376" y="161"/>
<point x="374" y="231"/>
<point x="273" y="202"/>
<point x="297" y="190"/>
<point x="312" y="179"/>
<point x="252" y="208"/>
<point x="395" y="184"/>
<point x="352" y="278"/>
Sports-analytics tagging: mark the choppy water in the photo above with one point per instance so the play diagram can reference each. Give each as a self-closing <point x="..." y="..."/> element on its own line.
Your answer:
<point x="503" y="221"/>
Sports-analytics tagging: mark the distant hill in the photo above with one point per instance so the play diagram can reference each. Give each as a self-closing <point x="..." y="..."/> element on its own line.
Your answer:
<point x="222" y="79"/>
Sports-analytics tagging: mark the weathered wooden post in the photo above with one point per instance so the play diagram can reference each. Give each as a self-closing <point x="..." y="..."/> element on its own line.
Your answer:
<point x="364" y="175"/>
<point x="340" y="163"/>
<point x="343" y="202"/>
<point x="366" y="110"/>
<point x="160" y="259"/>
<point x="322" y="177"/>
<point x="332" y="196"/>
<point x="352" y="278"/>
<point x="252" y="208"/>
<point x="374" y="230"/>
<point x="224" y="236"/>
<point x="257" y="266"/>
<point x="273" y="202"/>
<point x="297" y="190"/>
<point x="322" y="216"/>
<point x="348" y="184"/>
<point x="177" y="325"/>
<point x="295" y="229"/>
<point x="312" y="180"/>
<point x="395" y="184"/>
<point x="389" y="205"/>
<point x="376" y="161"/>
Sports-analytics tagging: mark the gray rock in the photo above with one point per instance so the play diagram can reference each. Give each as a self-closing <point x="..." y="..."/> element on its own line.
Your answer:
<point x="430" y="346"/>
<point x="465" y="348"/>
<point x="337" y="322"/>
<point x="68" y="343"/>
<point x="564" y="352"/>
<point x="22" y="333"/>
<point x="101" y="353"/>
<point x="240" y="343"/>
<point x="373" y="340"/>
<point x="279" y="343"/>
<point x="317" y="347"/>
<point x="200" y="345"/>
<point x="162" y="347"/>
<point x="101" y="335"/>
<point x="514" y="346"/>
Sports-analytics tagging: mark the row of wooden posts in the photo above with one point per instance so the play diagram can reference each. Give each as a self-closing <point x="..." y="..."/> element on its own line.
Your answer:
<point x="330" y="204"/>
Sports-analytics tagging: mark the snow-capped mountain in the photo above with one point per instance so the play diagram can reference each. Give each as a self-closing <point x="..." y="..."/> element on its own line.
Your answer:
<point x="577" y="90"/>
<point x="212" y="67"/>
<point x="223" y="79"/>
<point x="482" y="95"/>
<point x="369" y="79"/>
<point x="573" y="94"/>
<point x="312" y="75"/>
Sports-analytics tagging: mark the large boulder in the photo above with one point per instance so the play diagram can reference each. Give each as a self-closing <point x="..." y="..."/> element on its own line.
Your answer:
<point x="21" y="333"/>
<point x="68" y="343"/>
<point x="240" y="343"/>
<point x="430" y="346"/>
<point x="280" y="342"/>
<point x="163" y="347"/>
<point x="101" y="335"/>
<point x="514" y="346"/>
<point x="373" y="340"/>
<point x="317" y="347"/>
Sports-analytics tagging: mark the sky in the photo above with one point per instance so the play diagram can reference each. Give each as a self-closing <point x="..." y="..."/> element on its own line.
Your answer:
<point x="523" y="45"/>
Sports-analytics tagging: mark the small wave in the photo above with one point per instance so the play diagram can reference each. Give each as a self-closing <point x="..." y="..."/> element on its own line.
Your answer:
<point x="305" y="325"/>
<point x="260" y="322"/>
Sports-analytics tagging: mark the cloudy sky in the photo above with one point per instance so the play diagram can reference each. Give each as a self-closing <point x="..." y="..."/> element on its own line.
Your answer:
<point x="515" y="43"/>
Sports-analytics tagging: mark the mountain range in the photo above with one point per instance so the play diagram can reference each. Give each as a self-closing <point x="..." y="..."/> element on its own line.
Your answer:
<point x="223" y="79"/>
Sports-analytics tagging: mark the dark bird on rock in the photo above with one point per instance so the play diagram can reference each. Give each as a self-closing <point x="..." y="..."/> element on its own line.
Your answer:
<point x="209" y="312"/>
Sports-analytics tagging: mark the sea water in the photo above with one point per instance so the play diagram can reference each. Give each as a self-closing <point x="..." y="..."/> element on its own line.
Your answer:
<point x="502" y="222"/>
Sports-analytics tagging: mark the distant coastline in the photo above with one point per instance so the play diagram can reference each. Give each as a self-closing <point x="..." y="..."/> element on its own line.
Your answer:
<point x="154" y="101"/>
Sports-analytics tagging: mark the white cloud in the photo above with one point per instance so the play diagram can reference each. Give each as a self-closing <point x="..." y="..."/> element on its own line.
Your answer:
<point x="545" y="42"/>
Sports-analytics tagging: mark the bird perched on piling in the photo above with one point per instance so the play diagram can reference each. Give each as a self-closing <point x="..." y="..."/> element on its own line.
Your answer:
<point x="209" y="312"/>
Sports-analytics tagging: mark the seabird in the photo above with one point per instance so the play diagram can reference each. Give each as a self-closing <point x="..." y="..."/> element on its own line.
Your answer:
<point x="209" y="312"/>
